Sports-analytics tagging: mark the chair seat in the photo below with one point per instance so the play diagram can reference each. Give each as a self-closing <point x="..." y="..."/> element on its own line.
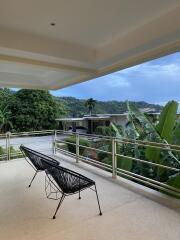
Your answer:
<point x="69" y="181"/>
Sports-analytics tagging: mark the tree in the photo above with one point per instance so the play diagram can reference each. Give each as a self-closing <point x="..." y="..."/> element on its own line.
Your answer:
<point x="6" y="99"/>
<point x="90" y="104"/>
<point x="35" y="110"/>
<point x="5" y="120"/>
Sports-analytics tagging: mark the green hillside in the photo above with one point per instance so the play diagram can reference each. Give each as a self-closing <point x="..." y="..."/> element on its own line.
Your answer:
<point x="76" y="107"/>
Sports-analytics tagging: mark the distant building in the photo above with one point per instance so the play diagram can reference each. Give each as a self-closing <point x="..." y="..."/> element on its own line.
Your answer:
<point x="88" y="124"/>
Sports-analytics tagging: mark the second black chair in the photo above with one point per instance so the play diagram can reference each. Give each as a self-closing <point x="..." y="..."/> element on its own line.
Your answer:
<point x="38" y="161"/>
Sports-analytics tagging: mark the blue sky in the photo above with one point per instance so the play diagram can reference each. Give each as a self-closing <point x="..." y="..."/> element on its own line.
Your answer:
<point x="156" y="81"/>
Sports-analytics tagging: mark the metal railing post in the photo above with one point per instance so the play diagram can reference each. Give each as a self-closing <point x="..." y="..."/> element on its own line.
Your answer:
<point x="8" y="150"/>
<point x="114" y="159"/>
<point x="6" y="147"/>
<point x="54" y="142"/>
<point x="77" y="147"/>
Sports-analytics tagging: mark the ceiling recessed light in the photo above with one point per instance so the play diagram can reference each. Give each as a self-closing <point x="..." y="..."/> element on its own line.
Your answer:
<point x="52" y="23"/>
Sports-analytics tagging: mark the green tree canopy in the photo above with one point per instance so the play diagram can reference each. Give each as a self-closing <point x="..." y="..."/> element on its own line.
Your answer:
<point x="35" y="110"/>
<point x="6" y="99"/>
<point x="90" y="104"/>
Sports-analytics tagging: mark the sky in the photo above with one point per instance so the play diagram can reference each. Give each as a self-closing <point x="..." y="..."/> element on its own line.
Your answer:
<point x="156" y="81"/>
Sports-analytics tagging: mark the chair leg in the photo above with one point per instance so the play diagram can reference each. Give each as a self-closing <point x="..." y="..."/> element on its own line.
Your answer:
<point x="33" y="178"/>
<point x="79" y="190"/>
<point x="60" y="202"/>
<point x="79" y="194"/>
<point x="100" y="213"/>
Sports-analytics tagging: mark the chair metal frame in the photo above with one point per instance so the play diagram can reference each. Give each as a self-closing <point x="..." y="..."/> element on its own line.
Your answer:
<point x="56" y="186"/>
<point x="40" y="164"/>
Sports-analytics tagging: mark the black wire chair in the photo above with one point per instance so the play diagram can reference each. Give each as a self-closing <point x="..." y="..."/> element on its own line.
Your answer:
<point x="38" y="161"/>
<point x="66" y="182"/>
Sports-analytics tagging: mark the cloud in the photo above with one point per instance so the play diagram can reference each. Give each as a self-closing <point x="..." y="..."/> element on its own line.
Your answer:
<point x="157" y="81"/>
<point x="162" y="103"/>
<point x="117" y="81"/>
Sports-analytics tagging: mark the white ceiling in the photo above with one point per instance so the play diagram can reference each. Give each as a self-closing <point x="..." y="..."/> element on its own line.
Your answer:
<point x="88" y="22"/>
<point x="90" y="38"/>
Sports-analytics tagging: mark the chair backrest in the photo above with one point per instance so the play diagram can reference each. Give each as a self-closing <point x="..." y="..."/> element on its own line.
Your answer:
<point x="69" y="181"/>
<point x="39" y="160"/>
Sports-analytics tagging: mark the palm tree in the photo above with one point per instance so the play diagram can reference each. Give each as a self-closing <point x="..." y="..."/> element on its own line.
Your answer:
<point x="90" y="104"/>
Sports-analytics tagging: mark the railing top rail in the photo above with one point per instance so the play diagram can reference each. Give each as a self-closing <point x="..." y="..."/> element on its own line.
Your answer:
<point x="157" y="145"/>
<point x="33" y="132"/>
<point x="163" y="146"/>
<point x="153" y="144"/>
<point x="29" y="132"/>
<point x="86" y="135"/>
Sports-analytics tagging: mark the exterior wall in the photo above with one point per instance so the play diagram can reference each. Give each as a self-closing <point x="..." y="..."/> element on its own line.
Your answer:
<point x="68" y="125"/>
<point x="91" y="125"/>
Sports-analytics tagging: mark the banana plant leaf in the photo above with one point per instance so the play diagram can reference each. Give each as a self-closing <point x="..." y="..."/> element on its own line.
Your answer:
<point x="150" y="133"/>
<point x="167" y="121"/>
<point x="176" y="134"/>
<point x="142" y="123"/>
<point x="164" y="129"/>
<point x="131" y="131"/>
<point x="116" y="130"/>
<point x="122" y="162"/>
<point x="174" y="181"/>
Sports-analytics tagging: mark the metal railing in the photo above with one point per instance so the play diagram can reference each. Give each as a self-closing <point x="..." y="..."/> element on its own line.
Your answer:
<point x="40" y="140"/>
<point x="54" y="141"/>
<point x="62" y="143"/>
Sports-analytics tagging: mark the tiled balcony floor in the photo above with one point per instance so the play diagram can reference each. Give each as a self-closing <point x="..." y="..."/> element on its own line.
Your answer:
<point x="25" y="214"/>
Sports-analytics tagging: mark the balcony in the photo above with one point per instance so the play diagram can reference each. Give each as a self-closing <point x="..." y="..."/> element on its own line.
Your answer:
<point x="63" y="44"/>
<point x="130" y="210"/>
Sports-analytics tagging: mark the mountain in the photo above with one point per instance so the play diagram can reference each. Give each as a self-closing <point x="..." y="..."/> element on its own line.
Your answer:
<point x="76" y="107"/>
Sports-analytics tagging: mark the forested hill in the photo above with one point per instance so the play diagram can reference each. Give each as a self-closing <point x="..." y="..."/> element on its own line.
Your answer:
<point x="76" y="107"/>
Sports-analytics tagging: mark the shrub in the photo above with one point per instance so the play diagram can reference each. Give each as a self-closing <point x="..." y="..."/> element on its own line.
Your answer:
<point x="2" y="152"/>
<point x="13" y="153"/>
<point x="105" y="131"/>
<point x="101" y="156"/>
<point x="72" y="148"/>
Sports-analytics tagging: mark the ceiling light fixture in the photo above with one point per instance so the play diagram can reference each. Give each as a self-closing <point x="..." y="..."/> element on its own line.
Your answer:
<point x="53" y="24"/>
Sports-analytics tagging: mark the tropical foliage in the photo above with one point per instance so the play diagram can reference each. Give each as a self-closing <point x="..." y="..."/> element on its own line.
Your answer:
<point x="6" y="99"/>
<point x="71" y="141"/>
<point x="13" y="153"/>
<point x="166" y="130"/>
